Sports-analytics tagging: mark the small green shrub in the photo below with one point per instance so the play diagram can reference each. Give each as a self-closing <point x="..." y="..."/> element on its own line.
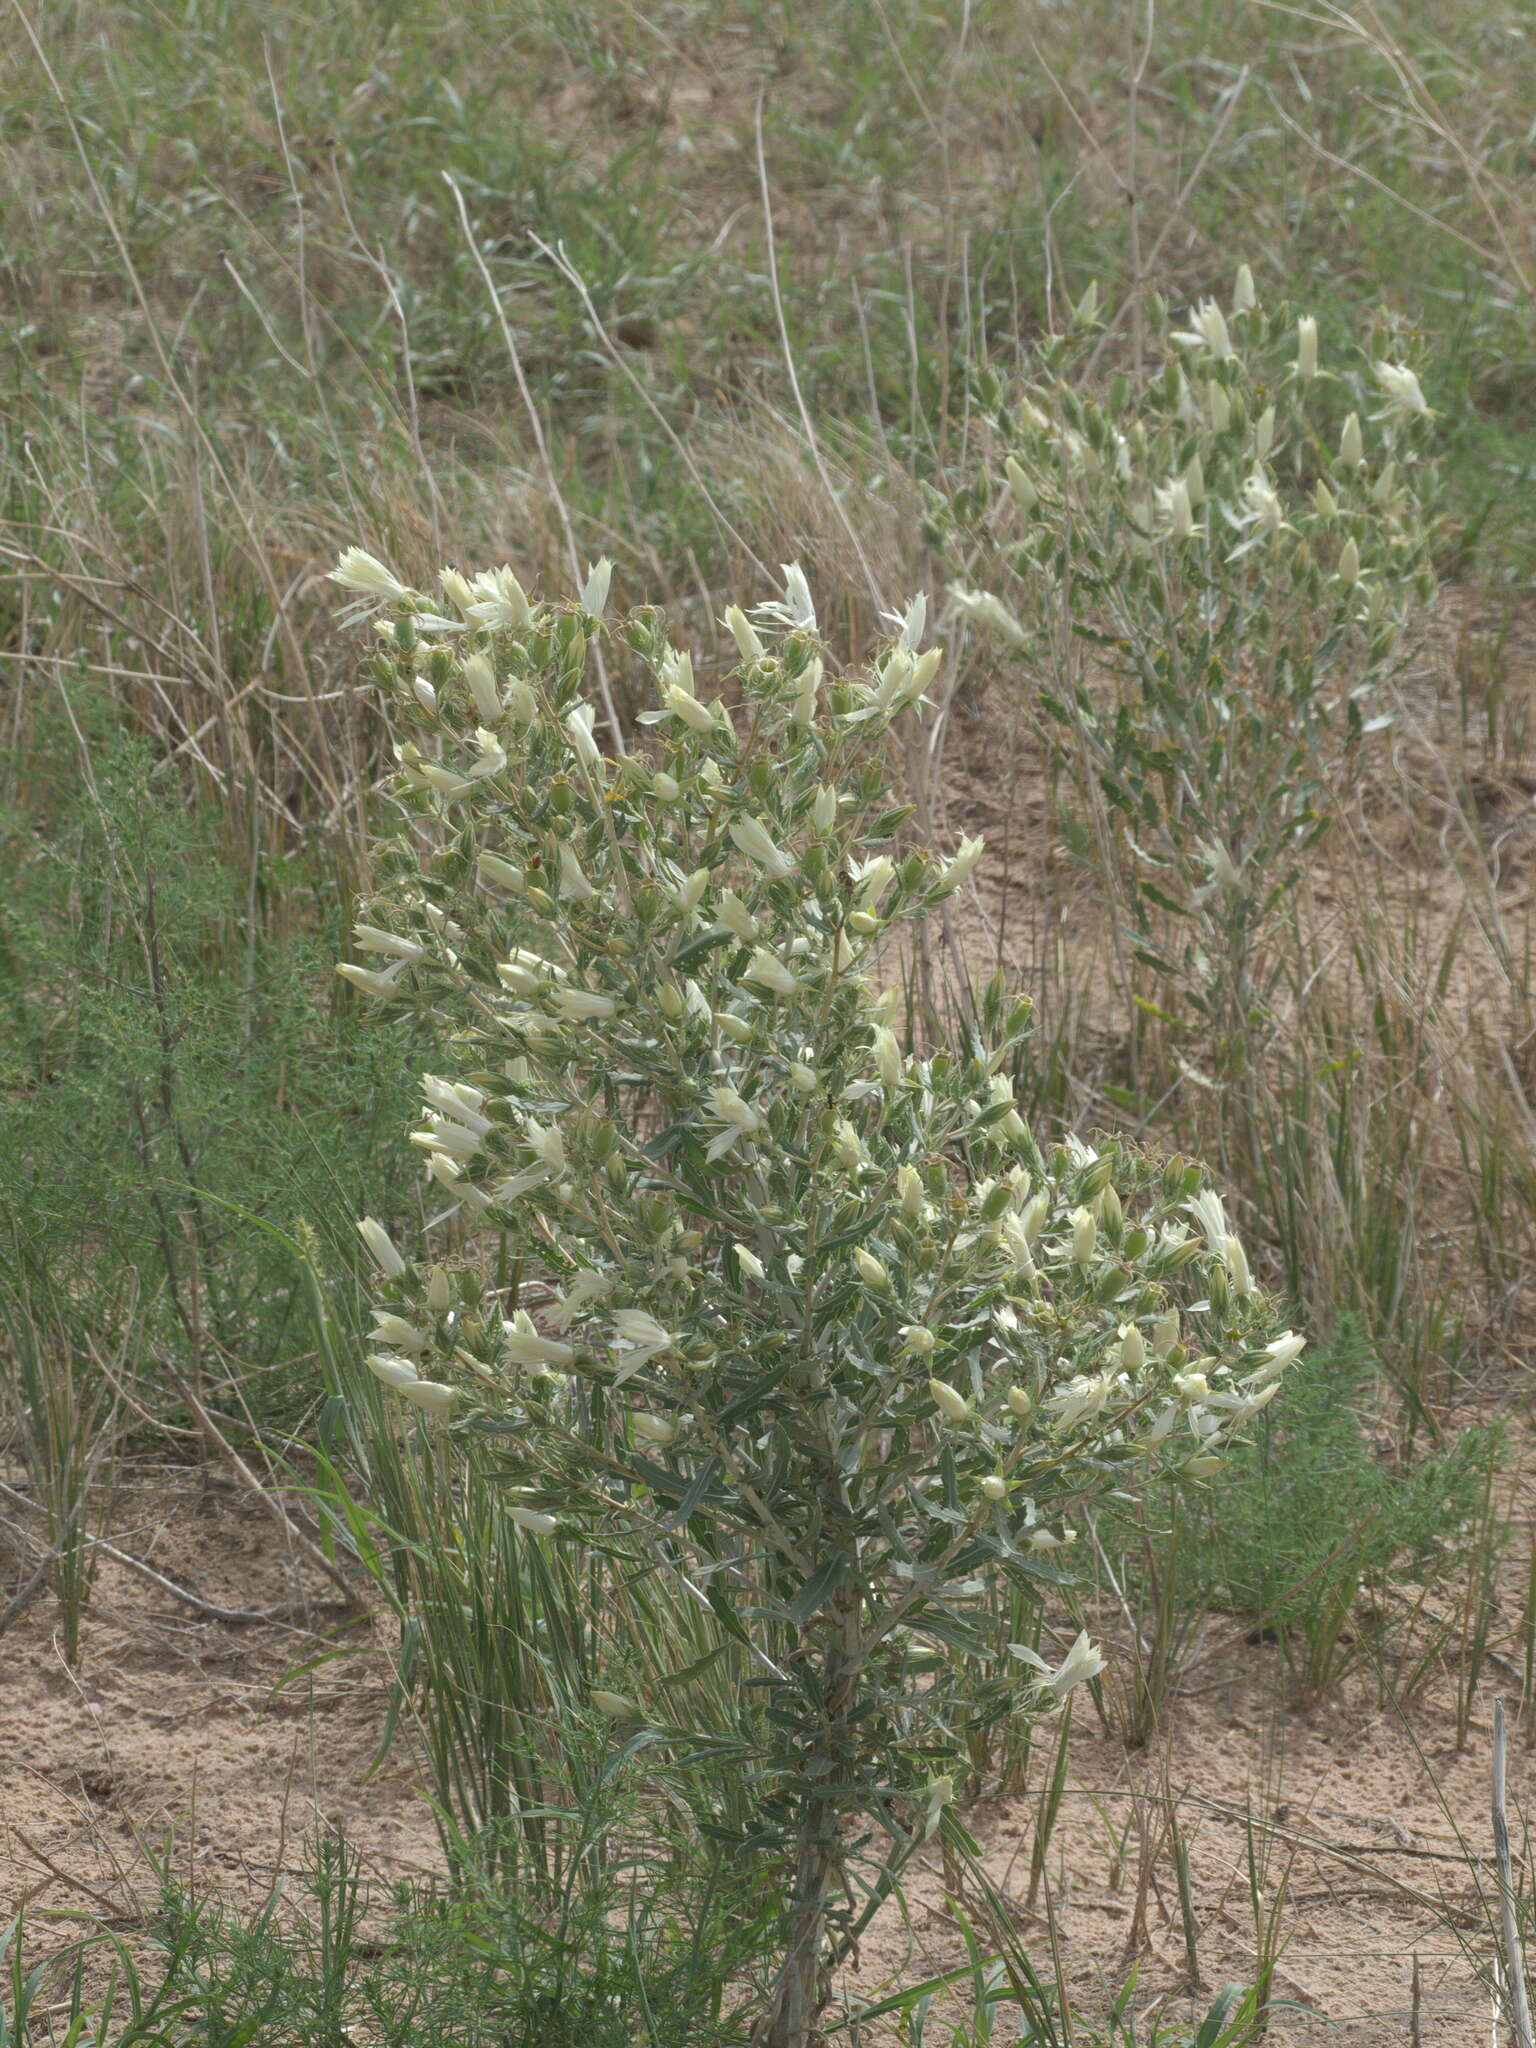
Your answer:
<point x="333" y="1959"/>
<point x="1330" y="1546"/>
<point x="169" y="1079"/>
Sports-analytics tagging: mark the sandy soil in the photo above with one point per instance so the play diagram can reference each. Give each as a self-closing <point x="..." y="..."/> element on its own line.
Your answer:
<point x="174" y="1737"/>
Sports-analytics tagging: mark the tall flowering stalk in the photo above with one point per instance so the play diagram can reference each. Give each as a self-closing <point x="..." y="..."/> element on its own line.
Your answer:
<point x="758" y="1297"/>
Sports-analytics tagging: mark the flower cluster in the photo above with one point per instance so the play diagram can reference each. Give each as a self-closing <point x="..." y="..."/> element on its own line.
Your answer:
<point x="1226" y="452"/>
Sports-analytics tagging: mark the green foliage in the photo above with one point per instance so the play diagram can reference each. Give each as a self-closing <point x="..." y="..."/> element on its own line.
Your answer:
<point x="333" y="1959"/>
<point x="167" y="1067"/>
<point x="1335" y="1548"/>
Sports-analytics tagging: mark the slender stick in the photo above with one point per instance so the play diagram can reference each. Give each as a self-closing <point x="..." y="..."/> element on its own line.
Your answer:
<point x="1514" y="1959"/>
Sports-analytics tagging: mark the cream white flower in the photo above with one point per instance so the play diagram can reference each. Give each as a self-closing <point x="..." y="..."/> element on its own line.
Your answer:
<point x="752" y="837"/>
<point x="737" y="624"/>
<point x="391" y="1371"/>
<point x="491" y="867"/>
<point x="888" y="1060"/>
<point x="768" y="971"/>
<point x="546" y="1143"/>
<point x="1400" y="388"/>
<point x="397" y="1333"/>
<point x="1207" y="1210"/>
<point x="500" y="602"/>
<point x="960" y="863"/>
<point x="594" y="592"/>
<point x="524" y="1345"/>
<point x="652" y="1429"/>
<point x="985" y="609"/>
<point x="1306" y="347"/>
<point x="573" y="880"/>
<point x="871" y="1271"/>
<point x="1084" y="1660"/>
<point x="613" y="1705"/>
<point x="639" y="1337"/>
<point x="458" y="590"/>
<point x="949" y="1401"/>
<point x="1284" y="1351"/>
<point x="366" y="574"/>
<point x="1236" y="1261"/>
<point x="1208" y="330"/>
<point x="372" y="940"/>
<point x="385" y="1257"/>
<point x="1175" y="509"/>
<point x="372" y="981"/>
<point x="581" y="1005"/>
<point x="682" y="703"/>
<point x="1081" y="1399"/>
<point x="532" y="1519"/>
<point x="1085" y="1235"/>
<point x="736" y="1117"/>
<point x="578" y="730"/>
<point x="750" y="1263"/>
<point x="430" y="1396"/>
<point x="480" y="679"/>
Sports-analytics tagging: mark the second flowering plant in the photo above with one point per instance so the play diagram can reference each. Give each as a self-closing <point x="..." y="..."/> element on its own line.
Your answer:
<point x="740" y="1288"/>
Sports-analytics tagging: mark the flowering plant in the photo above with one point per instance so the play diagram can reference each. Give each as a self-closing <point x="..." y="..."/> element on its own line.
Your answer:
<point x="760" y="1297"/>
<point x="1205" y="573"/>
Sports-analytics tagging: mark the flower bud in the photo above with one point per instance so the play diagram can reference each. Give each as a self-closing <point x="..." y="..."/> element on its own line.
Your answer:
<point x="430" y="1396"/>
<point x="1306" y="347"/>
<point x="1023" y="489"/>
<point x="385" y="1257"/>
<point x="748" y="645"/>
<point x="870" y="1270"/>
<point x="613" y="1705"/>
<point x="652" y="1429"/>
<point x="1352" y="443"/>
<point x="1236" y="1262"/>
<point x="492" y="868"/>
<point x="1085" y="1235"/>
<point x="425" y="695"/>
<point x="1133" y="1349"/>
<point x="532" y="1519"/>
<point x="666" y="787"/>
<point x="888" y="1061"/>
<point x="919" y="1341"/>
<point x="1349" y="564"/>
<point x="391" y="1371"/>
<point x="1020" y="1402"/>
<point x="910" y="1191"/>
<point x="439" y="1293"/>
<point x="994" y="1488"/>
<point x="949" y="1401"/>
